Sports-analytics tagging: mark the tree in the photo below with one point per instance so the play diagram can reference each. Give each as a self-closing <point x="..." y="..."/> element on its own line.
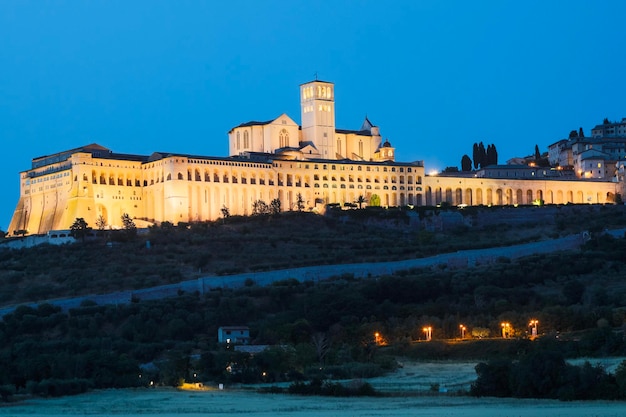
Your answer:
<point x="492" y="379"/>
<point x="259" y="207"/>
<point x="537" y="153"/>
<point x="101" y="223"/>
<point x="129" y="225"/>
<point x="476" y="156"/>
<point x="275" y="206"/>
<point x="299" y="202"/>
<point x="482" y="155"/>
<point x="451" y="169"/>
<point x="581" y="134"/>
<point x="491" y="155"/>
<point x="79" y="229"/>
<point x="375" y="200"/>
<point x="225" y="211"/>
<point x="466" y="163"/>
<point x="322" y="344"/>
<point x="361" y="200"/>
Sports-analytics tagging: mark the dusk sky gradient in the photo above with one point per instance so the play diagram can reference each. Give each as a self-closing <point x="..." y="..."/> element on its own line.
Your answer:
<point x="176" y="76"/>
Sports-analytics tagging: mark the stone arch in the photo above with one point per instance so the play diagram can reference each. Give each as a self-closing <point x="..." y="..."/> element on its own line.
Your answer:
<point x="437" y="195"/>
<point x="468" y="197"/>
<point x="559" y="197"/>
<point x="519" y="196"/>
<point x="479" y="196"/>
<point x="529" y="196"/>
<point x="429" y="196"/>
<point x="508" y="197"/>
<point x="499" y="197"/>
<point x="458" y="196"/>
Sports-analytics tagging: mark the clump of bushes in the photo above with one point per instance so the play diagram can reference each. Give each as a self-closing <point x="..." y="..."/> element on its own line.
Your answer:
<point x="333" y="389"/>
<point x="54" y="387"/>
<point x="545" y="374"/>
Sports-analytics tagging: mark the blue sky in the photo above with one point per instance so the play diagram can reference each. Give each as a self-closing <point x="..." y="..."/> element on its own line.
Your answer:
<point x="436" y="76"/>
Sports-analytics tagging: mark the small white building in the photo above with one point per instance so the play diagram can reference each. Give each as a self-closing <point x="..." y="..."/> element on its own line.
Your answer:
<point x="233" y="334"/>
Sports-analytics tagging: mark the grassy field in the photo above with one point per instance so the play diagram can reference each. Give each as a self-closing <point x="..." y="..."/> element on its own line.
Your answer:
<point x="165" y="402"/>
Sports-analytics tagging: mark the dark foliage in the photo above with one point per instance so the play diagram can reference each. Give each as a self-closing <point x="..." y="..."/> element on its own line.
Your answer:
<point x="544" y="374"/>
<point x="577" y="297"/>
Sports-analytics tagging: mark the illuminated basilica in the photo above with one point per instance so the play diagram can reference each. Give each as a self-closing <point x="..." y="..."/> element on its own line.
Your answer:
<point x="315" y="164"/>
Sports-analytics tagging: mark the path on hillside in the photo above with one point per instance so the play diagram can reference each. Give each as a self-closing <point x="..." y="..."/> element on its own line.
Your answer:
<point x="455" y="260"/>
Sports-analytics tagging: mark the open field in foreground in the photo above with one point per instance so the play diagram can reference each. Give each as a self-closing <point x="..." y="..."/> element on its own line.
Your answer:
<point x="410" y="385"/>
<point x="171" y="402"/>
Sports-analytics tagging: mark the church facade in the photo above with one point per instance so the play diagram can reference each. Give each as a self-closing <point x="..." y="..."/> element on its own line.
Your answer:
<point x="315" y="163"/>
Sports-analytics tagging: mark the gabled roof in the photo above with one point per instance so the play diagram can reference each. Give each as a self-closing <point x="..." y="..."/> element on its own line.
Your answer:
<point x="307" y="143"/>
<point x="255" y="123"/>
<point x="367" y="125"/>
<point x="315" y="81"/>
<point x="264" y="123"/>
<point x="356" y="132"/>
<point x="593" y="154"/>
<point x="86" y="148"/>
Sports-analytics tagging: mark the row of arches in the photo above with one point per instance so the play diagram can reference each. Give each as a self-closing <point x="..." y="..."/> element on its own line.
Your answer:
<point x="253" y="177"/>
<point x="112" y="178"/>
<point x="509" y="196"/>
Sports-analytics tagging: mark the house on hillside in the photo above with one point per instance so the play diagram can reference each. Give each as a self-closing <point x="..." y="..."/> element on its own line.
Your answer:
<point x="233" y="334"/>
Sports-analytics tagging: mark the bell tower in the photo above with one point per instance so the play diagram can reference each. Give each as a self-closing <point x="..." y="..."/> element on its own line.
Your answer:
<point x="317" y="104"/>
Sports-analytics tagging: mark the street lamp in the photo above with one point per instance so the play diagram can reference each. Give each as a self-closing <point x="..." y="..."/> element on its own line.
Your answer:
<point x="533" y="323"/>
<point x="377" y="338"/>
<point x="505" y="329"/>
<point x="429" y="333"/>
<point x="463" y="328"/>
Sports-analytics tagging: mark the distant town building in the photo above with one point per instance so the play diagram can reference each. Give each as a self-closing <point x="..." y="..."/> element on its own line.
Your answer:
<point x="594" y="157"/>
<point x="233" y="334"/>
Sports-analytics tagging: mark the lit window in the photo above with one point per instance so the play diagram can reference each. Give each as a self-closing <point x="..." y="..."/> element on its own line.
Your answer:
<point x="283" y="138"/>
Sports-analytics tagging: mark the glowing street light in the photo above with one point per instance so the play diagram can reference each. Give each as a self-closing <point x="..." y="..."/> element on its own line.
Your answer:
<point x="429" y="333"/>
<point x="506" y="329"/>
<point x="463" y="328"/>
<point x="533" y="323"/>
<point x="377" y="338"/>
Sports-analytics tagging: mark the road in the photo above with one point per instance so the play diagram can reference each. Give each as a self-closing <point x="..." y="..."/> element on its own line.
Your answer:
<point x="456" y="260"/>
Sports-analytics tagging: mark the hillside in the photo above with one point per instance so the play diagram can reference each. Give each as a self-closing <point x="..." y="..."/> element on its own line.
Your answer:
<point x="169" y="254"/>
<point x="316" y="330"/>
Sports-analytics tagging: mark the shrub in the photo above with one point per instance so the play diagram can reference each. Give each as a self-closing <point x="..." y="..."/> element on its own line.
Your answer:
<point x="58" y="387"/>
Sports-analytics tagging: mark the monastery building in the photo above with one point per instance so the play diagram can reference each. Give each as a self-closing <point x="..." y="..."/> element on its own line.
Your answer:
<point x="315" y="163"/>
